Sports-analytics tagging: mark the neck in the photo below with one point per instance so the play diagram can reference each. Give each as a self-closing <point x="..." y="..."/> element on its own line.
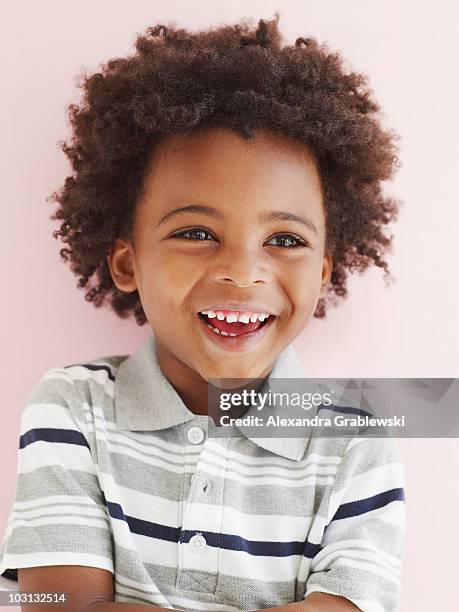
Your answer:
<point x="191" y="387"/>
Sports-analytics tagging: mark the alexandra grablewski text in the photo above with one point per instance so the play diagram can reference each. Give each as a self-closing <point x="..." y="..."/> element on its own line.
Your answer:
<point x="338" y="420"/>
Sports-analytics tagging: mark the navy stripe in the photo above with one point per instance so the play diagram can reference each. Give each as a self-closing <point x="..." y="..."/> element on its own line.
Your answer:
<point x="368" y="504"/>
<point x="11" y="574"/>
<point x="146" y="528"/>
<point x="218" y="540"/>
<point x="345" y="410"/>
<point x="47" y="434"/>
<point x="95" y="367"/>
<point x="311" y="550"/>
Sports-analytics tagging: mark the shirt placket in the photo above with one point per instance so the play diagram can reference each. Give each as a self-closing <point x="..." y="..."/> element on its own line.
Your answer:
<point x="199" y="536"/>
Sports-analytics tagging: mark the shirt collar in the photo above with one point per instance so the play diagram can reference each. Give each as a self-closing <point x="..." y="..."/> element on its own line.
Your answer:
<point x="145" y="400"/>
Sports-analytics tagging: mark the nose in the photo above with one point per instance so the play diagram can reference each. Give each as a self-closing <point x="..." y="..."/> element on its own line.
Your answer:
<point x="240" y="267"/>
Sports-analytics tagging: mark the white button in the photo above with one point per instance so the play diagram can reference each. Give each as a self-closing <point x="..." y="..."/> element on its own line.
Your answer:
<point x="195" y="435"/>
<point x="198" y="542"/>
<point x="192" y="477"/>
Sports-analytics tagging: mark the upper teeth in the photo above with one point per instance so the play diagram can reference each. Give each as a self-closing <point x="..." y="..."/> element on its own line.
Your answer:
<point x="233" y="317"/>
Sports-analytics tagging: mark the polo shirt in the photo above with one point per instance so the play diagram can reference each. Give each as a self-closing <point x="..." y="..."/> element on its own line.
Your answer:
<point x="115" y="472"/>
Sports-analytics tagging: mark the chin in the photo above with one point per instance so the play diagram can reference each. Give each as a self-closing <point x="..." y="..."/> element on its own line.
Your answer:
<point x="225" y="373"/>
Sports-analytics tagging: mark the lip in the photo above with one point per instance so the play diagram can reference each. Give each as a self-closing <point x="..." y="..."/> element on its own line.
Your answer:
<point x="237" y="343"/>
<point x="240" y="307"/>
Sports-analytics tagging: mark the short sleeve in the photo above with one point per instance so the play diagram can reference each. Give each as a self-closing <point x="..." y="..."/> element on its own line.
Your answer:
<point x="59" y="515"/>
<point x="361" y="551"/>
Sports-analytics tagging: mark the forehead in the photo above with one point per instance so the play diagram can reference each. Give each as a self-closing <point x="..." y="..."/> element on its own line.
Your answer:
<point x="264" y="145"/>
<point x="222" y="158"/>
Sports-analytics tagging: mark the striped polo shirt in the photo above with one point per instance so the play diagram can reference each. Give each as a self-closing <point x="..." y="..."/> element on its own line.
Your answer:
<point x="115" y="472"/>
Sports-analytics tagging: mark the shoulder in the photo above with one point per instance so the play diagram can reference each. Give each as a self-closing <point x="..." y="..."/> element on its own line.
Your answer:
<point x="358" y="454"/>
<point x="93" y="382"/>
<point x="76" y="389"/>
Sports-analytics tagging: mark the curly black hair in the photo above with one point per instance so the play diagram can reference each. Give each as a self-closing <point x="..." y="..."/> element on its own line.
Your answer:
<point x="239" y="77"/>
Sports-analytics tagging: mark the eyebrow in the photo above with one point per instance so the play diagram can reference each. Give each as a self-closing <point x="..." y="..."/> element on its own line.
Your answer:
<point x="264" y="217"/>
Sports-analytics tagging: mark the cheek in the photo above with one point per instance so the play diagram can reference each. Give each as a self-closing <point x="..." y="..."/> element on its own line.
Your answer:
<point x="167" y="282"/>
<point x="301" y="287"/>
<point x="302" y="281"/>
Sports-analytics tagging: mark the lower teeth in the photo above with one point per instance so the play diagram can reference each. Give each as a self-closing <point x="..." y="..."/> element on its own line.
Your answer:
<point x="217" y="331"/>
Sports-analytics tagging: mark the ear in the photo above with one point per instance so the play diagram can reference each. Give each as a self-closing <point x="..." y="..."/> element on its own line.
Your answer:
<point x="327" y="268"/>
<point x="122" y="265"/>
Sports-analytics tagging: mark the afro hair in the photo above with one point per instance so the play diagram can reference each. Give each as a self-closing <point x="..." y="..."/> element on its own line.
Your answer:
<point x="239" y="77"/>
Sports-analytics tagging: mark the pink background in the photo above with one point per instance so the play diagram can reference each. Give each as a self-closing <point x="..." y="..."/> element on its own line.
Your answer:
<point x="407" y="330"/>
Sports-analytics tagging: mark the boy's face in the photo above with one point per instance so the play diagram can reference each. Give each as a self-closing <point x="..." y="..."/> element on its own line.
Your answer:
<point x="230" y="255"/>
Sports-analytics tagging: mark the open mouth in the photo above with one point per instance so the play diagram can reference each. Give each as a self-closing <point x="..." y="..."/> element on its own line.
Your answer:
<point x="236" y="329"/>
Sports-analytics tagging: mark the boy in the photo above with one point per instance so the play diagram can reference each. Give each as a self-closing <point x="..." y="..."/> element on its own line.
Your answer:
<point x="223" y="185"/>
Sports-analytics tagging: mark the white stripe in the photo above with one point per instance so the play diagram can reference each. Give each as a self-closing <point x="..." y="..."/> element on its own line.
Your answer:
<point x="144" y="548"/>
<point x="140" y="441"/>
<point x="371" y="482"/>
<point x="304" y="569"/>
<point x="51" y="509"/>
<point x="60" y="501"/>
<point x="42" y="559"/>
<point x="375" y="559"/>
<point x="230" y="474"/>
<point x="355" y="563"/>
<point x="374" y="481"/>
<point x="317" y="529"/>
<point x="152" y="461"/>
<point x="49" y="415"/>
<point x="280" y="462"/>
<point x="272" y="527"/>
<point x="52" y="499"/>
<point x="145" y="506"/>
<point x="266" y="569"/>
<point x="86" y="521"/>
<point x="101" y="377"/>
<point x="393" y="561"/>
<point x="260" y="470"/>
<point x="46" y="454"/>
<point x="147" y="446"/>
<point x="391" y="514"/>
<point x="56" y="374"/>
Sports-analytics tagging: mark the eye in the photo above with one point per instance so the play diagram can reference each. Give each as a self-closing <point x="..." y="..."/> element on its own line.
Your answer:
<point x="200" y="231"/>
<point x="298" y="242"/>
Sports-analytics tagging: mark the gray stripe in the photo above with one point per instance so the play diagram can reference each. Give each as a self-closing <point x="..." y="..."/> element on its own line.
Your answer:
<point x="273" y="499"/>
<point x="251" y="594"/>
<point x="73" y="538"/>
<point x="142" y="477"/>
<point x="52" y="390"/>
<point x="369" y="454"/>
<point x="56" y="480"/>
<point x="385" y="536"/>
<point x="359" y="584"/>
